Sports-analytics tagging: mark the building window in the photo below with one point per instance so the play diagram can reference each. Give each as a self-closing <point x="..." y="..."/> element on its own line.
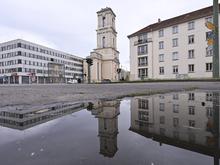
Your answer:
<point x="142" y="38"/>
<point x="192" y="123"/>
<point x="161" y="33"/>
<point x="191" y="39"/>
<point x="19" y="69"/>
<point x="161" y="57"/>
<point x="191" y="68"/>
<point x="143" y="72"/>
<point x="209" y="52"/>
<point x="161" y="97"/>
<point x="143" y="104"/>
<point x="191" y="54"/>
<point x="142" y="49"/>
<point x="175" y="108"/>
<point x="209" y="111"/>
<point x="161" y="45"/>
<point x="103" y="21"/>
<point x="175" y="96"/>
<point x="162" y="107"/>
<point x="191" y="110"/>
<point x="19" y="53"/>
<point x="175" y="42"/>
<point x="143" y="115"/>
<point x="175" y="69"/>
<point x="191" y="25"/>
<point x="19" y="45"/>
<point x="208" y="67"/>
<point x="162" y="119"/>
<point x="209" y="96"/>
<point x="175" y="29"/>
<point x="191" y="96"/>
<point x="103" y="42"/>
<point x="19" y="61"/>
<point x="142" y="61"/>
<point x="175" y="122"/>
<point x="161" y="70"/>
<point x="175" y="56"/>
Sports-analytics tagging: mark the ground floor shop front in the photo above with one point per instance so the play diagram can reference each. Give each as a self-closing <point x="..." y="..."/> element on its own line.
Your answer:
<point x="20" y="79"/>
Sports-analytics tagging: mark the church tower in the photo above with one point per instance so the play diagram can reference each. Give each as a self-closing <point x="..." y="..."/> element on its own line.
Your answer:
<point x="106" y="33"/>
<point x="105" y="56"/>
<point x="107" y="114"/>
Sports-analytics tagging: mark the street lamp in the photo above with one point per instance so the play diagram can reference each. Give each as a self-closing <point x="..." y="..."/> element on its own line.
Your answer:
<point x="119" y="71"/>
<point x="90" y="63"/>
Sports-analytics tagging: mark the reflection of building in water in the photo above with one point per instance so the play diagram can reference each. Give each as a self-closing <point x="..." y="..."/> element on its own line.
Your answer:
<point x="107" y="113"/>
<point x="187" y="120"/>
<point x="23" y="119"/>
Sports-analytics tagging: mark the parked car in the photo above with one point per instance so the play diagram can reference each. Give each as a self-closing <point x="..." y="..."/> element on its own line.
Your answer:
<point x="72" y="81"/>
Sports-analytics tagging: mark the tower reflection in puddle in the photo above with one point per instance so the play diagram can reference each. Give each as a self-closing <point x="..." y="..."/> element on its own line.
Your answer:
<point x="107" y="114"/>
<point x="186" y="120"/>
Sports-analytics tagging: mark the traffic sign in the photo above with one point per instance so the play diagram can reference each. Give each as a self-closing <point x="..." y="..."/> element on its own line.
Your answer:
<point x="210" y="35"/>
<point x="210" y="25"/>
<point x="210" y="41"/>
<point x="210" y="47"/>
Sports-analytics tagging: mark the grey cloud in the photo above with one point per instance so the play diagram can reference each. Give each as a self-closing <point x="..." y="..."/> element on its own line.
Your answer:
<point x="69" y="25"/>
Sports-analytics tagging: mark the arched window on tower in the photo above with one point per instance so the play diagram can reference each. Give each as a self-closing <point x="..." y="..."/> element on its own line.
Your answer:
<point x="113" y="42"/>
<point x="103" y="42"/>
<point x="113" y="22"/>
<point x="103" y="21"/>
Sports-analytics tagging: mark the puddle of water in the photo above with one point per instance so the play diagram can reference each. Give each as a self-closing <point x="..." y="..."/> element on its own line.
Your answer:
<point x="174" y="128"/>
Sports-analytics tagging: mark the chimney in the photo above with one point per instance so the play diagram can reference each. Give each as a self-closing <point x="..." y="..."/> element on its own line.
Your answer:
<point x="159" y="20"/>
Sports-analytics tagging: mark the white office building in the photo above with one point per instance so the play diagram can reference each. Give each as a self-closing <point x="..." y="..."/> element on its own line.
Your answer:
<point x="173" y="49"/>
<point x="23" y="62"/>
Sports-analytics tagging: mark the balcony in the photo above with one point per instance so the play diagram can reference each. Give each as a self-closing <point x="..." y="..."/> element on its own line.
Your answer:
<point x="142" y="41"/>
<point x="142" y="64"/>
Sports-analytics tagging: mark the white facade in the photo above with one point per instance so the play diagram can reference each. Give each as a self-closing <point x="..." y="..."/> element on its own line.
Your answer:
<point x="172" y="49"/>
<point x="23" y="62"/>
<point x="105" y="56"/>
<point x="27" y="118"/>
<point x="190" y="117"/>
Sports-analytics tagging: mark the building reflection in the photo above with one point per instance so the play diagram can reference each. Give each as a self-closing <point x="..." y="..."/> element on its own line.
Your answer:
<point x="107" y="113"/>
<point x="23" y="119"/>
<point x="185" y="120"/>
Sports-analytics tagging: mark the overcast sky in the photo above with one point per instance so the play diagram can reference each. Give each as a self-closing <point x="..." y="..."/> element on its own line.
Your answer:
<point x="69" y="25"/>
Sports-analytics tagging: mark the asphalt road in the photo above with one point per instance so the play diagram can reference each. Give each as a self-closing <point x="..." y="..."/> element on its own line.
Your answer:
<point x="37" y="95"/>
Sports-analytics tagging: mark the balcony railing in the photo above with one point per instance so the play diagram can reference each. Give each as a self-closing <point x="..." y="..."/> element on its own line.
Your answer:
<point x="142" y="41"/>
<point x="142" y="64"/>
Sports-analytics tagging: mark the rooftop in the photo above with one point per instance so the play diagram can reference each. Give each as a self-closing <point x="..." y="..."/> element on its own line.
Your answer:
<point x="208" y="11"/>
<point x="45" y="47"/>
<point x="106" y="9"/>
